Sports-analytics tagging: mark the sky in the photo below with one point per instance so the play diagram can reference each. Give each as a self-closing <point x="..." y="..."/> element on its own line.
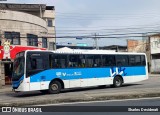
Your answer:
<point x="103" y="18"/>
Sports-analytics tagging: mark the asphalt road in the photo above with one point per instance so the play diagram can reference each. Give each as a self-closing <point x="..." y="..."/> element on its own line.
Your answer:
<point x="111" y="107"/>
<point x="137" y="106"/>
<point x="151" y="85"/>
<point x="154" y="101"/>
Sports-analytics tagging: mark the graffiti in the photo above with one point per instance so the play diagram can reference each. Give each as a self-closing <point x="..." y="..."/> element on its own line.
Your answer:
<point x="117" y="71"/>
<point x="155" y="44"/>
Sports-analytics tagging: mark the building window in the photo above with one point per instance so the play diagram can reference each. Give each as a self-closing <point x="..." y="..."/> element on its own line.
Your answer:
<point x="32" y="40"/>
<point x="50" y="23"/>
<point x="44" y="42"/>
<point x="14" y="37"/>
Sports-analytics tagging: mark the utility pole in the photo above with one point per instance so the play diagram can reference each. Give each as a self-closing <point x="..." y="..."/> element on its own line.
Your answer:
<point x="117" y="50"/>
<point x="96" y="41"/>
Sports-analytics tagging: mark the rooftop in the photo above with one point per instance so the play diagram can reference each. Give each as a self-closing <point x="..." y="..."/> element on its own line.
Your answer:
<point x="24" y="7"/>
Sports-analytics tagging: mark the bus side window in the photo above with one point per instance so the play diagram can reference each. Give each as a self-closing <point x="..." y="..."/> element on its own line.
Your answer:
<point x="143" y="60"/>
<point x="37" y="63"/>
<point x="33" y="63"/>
<point x="131" y="60"/>
<point x="97" y="60"/>
<point x="89" y="60"/>
<point x="50" y="61"/>
<point x="122" y="60"/>
<point x="108" y="60"/>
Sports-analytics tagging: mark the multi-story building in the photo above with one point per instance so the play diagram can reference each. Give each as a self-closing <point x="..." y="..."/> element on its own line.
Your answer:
<point x="24" y="26"/>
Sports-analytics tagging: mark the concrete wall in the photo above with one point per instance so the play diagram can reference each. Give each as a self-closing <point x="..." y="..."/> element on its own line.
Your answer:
<point x="2" y="74"/>
<point x="155" y="49"/>
<point x="136" y="46"/>
<point x="49" y="14"/>
<point x="155" y="44"/>
<point x="23" y="17"/>
<point x="155" y="68"/>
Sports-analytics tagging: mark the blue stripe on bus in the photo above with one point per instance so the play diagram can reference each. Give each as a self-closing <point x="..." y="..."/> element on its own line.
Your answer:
<point x="16" y="84"/>
<point x="84" y="73"/>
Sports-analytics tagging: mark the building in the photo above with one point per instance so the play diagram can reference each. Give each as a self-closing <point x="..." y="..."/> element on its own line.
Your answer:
<point x="22" y="27"/>
<point x="136" y="46"/>
<point x="155" y="53"/>
<point x="117" y="48"/>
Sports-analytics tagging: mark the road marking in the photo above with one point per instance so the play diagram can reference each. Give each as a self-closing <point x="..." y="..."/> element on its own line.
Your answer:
<point x="100" y="101"/>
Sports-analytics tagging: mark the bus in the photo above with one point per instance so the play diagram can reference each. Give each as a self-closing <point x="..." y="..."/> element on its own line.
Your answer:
<point x="52" y="71"/>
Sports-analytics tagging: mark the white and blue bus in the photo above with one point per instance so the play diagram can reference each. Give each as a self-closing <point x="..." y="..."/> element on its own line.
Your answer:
<point x="52" y="71"/>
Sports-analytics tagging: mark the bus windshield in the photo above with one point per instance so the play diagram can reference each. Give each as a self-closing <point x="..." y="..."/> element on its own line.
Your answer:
<point x="18" y="68"/>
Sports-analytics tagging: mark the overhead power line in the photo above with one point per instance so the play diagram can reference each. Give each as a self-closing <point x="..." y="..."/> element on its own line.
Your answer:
<point x="104" y="14"/>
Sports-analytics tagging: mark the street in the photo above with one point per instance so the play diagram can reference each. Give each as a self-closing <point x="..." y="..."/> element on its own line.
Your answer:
<point x="122" y="107"/>
<point x="125" y="105"/>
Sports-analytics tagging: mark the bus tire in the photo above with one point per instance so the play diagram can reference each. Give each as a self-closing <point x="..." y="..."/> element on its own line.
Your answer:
<point x="54" y="87"/>
<point x="117" y="82"/>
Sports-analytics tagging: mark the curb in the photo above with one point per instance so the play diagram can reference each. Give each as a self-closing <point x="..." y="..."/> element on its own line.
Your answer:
<point x="79" y="99"/>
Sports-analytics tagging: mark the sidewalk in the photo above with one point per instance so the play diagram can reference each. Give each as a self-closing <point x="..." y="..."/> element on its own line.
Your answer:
<point x="154" y="75"/>
<point x="7" y="88"/>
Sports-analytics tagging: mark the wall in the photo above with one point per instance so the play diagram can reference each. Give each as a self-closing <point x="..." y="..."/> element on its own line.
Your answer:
<point x="23" y="23"/>
<point x="155" y="44"/>
<point x="23" y="17"/>
<point x="50" y="14"/>
<point x="155" y="68"/>
<point x="136" y="46"/>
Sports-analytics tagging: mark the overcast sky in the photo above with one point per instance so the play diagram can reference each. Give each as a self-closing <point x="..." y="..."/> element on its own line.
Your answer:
<point x="87" y="17"/>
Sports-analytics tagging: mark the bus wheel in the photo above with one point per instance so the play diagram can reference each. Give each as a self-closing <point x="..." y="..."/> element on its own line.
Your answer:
<point x="55" y="87"/>
<point x="117" y="82"/>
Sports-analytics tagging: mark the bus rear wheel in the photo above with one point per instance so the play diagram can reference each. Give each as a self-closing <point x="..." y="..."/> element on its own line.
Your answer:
<point x="117" y="82"/>
<point x="54" y="87"/>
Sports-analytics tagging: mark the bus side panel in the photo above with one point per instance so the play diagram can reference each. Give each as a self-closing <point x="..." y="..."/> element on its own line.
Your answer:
<point x="135" y="74"/>
<point x="72" y="77"/>
<point x="83" y="77"/>
<point x="22" y="84"/>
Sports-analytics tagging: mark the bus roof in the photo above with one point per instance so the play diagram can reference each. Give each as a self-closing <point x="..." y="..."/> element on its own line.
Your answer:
<point x="79" y="51"/>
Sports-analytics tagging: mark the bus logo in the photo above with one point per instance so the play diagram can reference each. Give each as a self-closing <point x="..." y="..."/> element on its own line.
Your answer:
<point x="58" y="74"/>
<point x="64" y="74"/>
<point x="117" y="71"/>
